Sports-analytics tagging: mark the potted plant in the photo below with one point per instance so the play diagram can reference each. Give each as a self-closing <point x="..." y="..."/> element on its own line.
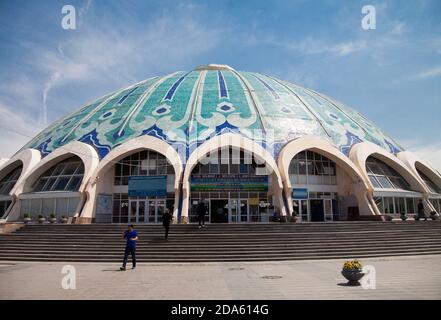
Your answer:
<point x="434" y="215"/>
<point x="63" y="219"/>
<point x="52" y="218"/>
<point x="41" y="218"/>
<point x="403" y="216"/>
<point x="26" y="218"/>
<point x="353" y="272"/>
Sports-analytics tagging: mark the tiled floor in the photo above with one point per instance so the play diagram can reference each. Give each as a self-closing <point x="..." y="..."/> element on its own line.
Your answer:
<point x="416" y="277"/>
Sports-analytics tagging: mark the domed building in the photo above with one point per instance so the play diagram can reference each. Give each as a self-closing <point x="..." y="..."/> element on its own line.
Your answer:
<point x="248" y="145"/>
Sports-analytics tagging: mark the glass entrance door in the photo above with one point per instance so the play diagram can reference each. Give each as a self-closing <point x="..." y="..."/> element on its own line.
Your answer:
<point x="239" y="210"/>
<point x="146" y="210"/>
<point x="243" y="209"/>
<point x="219" y="211"/>
<point x="300" y="207"/>
<point x="317" y="210"/>
<point x="155" y="210"/>
<point x="137" y="211"/>
<point x="160" y="208"/>
<point x="233" y="210"/>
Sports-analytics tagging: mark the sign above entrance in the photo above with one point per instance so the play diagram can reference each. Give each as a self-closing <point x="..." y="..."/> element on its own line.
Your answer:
<point x="229" y="183"/>
<point x="147" y="186"/>
<point x="300" y="193"/>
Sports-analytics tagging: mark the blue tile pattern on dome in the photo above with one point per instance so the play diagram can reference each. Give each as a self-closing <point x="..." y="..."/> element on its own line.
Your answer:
<point x="186" y="109"/>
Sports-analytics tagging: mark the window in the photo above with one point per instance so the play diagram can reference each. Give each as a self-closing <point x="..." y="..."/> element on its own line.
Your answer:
<point x="8" y="182"/>
<point x="4" y="205"/>
<point x="396" y="205"/>
<point x="234" y="162"/>
<point x="62" y="206"/>
<point x="410" y="205"/>
<point x="308" y="167"/>
<point x="145" y="163"/>
<point x="429" y="183"/>
<point x="64" y="176"/>
<point x="384" y="177"/>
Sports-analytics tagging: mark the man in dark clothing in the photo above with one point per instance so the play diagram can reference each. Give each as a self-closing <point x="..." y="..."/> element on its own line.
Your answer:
<point x="167" y="217"/>
<point x="131" y="236"/>
<point x="201" y="211"/>
<point x="421" y="214"/>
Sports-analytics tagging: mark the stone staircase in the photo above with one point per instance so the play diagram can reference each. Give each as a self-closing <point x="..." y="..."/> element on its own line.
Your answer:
<point x="223" y="242"/>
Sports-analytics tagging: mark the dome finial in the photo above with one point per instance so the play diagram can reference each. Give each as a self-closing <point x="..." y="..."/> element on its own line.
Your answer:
<point x="212" y="66"/>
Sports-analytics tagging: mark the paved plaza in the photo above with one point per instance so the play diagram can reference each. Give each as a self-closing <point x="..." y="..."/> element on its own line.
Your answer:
<point x="416" y="277"/>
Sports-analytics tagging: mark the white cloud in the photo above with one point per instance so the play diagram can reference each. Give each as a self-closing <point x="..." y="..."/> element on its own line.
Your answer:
<point x="430" y="73"/>
<point x="16" y="130"/>
<point x="102" y="57"/>
<point x="119" y="55"/>
<point x="313" y="46"/>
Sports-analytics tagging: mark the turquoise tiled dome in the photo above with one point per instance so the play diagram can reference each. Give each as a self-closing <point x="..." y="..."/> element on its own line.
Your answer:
<point x="187" y="108"/>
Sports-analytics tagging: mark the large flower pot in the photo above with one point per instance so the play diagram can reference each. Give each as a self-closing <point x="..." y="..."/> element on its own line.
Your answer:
<point x="353" y="276"/>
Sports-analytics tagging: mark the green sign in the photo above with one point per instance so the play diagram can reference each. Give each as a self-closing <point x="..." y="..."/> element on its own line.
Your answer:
<point x="229" y="183"/>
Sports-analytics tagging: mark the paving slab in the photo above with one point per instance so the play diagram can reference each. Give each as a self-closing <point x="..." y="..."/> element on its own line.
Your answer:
<point x="415" y="277"/>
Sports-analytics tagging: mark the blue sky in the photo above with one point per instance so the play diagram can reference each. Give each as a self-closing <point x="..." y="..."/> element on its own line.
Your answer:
<point x="391" y="74"/>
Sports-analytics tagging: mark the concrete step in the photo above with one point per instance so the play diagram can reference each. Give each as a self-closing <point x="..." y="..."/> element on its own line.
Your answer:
<point x="226" y="242"/>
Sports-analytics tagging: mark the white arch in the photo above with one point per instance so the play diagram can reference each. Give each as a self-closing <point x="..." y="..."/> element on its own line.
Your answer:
<point x="325" y="148"/>
<point x="85" y="152"/>
<point x="28" y="159"/>
<point x="361" y="151"/>
<point x="133" y="146"/>
<point x="413" y="162"/>
<point x="235" y="141"/>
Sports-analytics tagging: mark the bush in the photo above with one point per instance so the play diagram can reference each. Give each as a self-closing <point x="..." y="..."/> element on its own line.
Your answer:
<point x="352" y="265"/>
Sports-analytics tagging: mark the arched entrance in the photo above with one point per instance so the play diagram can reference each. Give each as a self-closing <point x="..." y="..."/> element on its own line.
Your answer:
<point x="235" y="174"/>
<point x="320" y="183"/>
<point x="8" y="179"/>
<point x="394" y="188"/>
<point x="136" y="181"/>
<point x="233" y="186"/>
<point x="55" y="192"/>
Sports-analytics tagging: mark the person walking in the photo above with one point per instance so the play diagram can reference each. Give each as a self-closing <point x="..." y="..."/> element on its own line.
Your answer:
<point x="201" y="211"/>
<point x="131" y="236"/>
<point x="167" y="218"/>
<point x="421" y="214"/>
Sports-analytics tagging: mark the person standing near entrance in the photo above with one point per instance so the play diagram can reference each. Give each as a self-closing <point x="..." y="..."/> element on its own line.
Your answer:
<point x="201" y="211"/>
<point x="167" y="218"/>
<point x="421" y="214"/>
<point x="131" y="236"/>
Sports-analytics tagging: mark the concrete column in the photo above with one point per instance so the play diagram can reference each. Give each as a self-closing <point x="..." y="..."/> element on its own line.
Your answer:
<point x="185" y="202"/>
<point x="176" y="205"/>
<point x="279" y="204"/>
